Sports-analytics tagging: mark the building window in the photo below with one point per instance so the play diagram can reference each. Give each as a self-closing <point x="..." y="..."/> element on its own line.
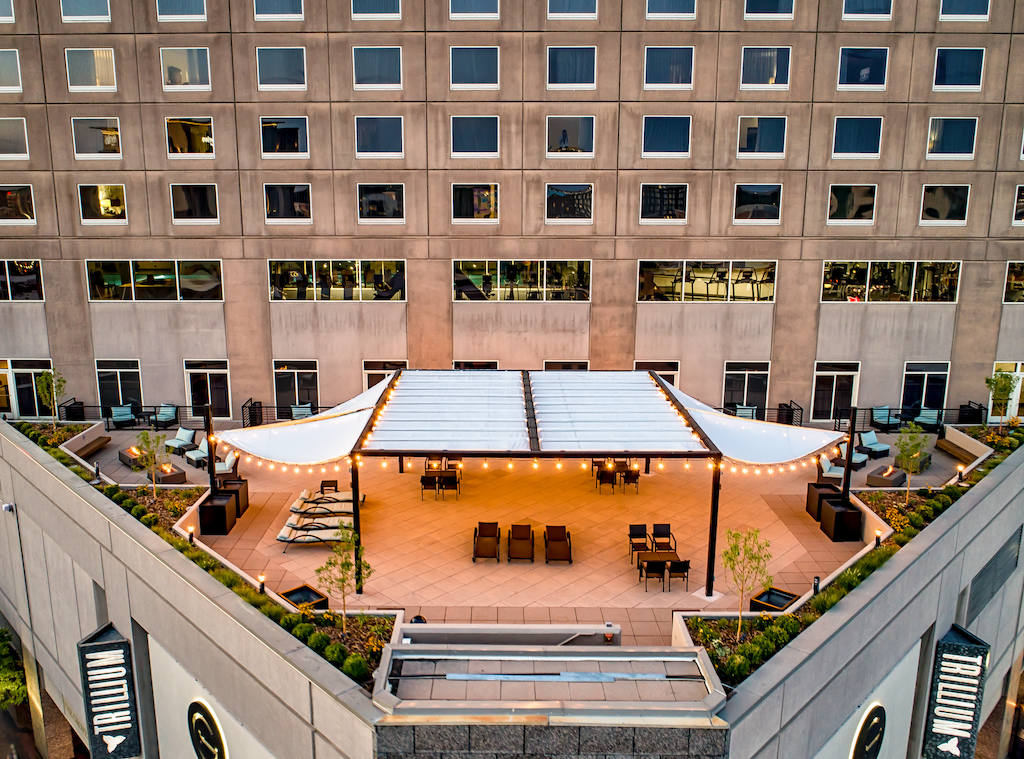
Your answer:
<point x="951" y="139"/>
<point x="566" y="366"/>
<point x="762" y="137"/>
<point x="474" y="366"/>
<point x="154" y="280"/>
<point x="851" y="204"/>
<point x="521" y="280"/>
<point x="890" y="281"/>
<point x="936" y="281"/>
<point x="758" y="204"/>
<point x="572" y="68"/>
<point x="460" y="10"/>
<point x="6" y="11"/>
<point x="293" y="280"/>
<point x="474" y="68"/>
<point x="194" y="204"/>
<point x="189" y="137"/>
<point x="924" y="385"/>
<point x="857" y="137"/>
<point x="474" y="136"/>
<point x="963" y="10"/>
<point x="474" y="204"/>
<point x="206" y="383"/>
<point x="185" y="69"/>
<point x="16" y="205"/>
<point x="285" y="136"/>
<point x="667" y="370"/>
<point x="666" y="137"/>
<point x="21" y="280"/>
<point x="945" y="205"/>
<point x="382" y="10"/>
<point x="281" y="68"/>
<point x="25" y="402"/>
<point x="1014" y="292"/>
<point x="379" y="137"/>
<point x="90" y="70"/>
<point x="279" y="10"/>
<point x="295" y="384"/>
<point x="119" y="383"/>
<point x="867" y="10"/>
<point x="765" y="68"/>
<point x="570" y="137"/>
<point x="663" y="203"/>
<point x="288" y="204"/>
<point x="10" y="71"/>
<point x="13" y="140"/>
<point x="337" y="280"/>
<point x="863" y="68"/>
<point x="768" y="9"/>
<point x="102" y="204"/>
<point x="96" y="139"/>
<point x="84" y="11"/>
<point x="181" y="10"/>
<point x="375" y="372"/>
<point x="746" y="388"/>
<point x="200" y="280"/>
<point x="377" y="68"/>
<point x="668" y="68"/>
<point x="671" y="10"/>
<point x="381" y="203"/>
<point x="707" y="281"/>
<point x="1018" y="207"/>
<point x="835" y="390"/>
<point x="959" y="69"/>
<point x="569" y="204"/>
<point x="572" y="9"/>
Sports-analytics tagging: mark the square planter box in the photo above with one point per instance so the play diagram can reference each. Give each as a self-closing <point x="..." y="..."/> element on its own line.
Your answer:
<point x="815" y="492"/>
<point x="304" y="594"/>
<point x="840" y="522"/>
<point x="772" y="599"/>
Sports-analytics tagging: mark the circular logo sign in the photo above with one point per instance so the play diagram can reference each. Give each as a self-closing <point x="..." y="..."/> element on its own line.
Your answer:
<point x="868" y="743"/>
<point x="205" y="732"/>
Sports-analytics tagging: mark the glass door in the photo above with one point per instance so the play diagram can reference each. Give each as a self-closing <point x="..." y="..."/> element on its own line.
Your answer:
<point x="746" y="384"/>
<point x="835" y="390"/>
<point x="26" y="395"/>
<point x="120" y="384"/>
<point x="295" y="384"/>
<point x="377" y="371"/>
<point x="207" y="383"/>
<point x="1000" y="409"/>
<point x="6" y="400"/>
<point x="924" y="385"/>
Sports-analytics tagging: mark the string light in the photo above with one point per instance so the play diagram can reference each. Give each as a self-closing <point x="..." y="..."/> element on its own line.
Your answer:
<point x="661" y="464"/>
<point x="271" y="466"/>
<point x="686" y="465"/>
<point x="259" y="463"/>
<point x="792" y="467"/>
<point x="770" y="471"/>
<point x="711" y="465"/>
<point x="744" y="470"/>
<point x="486" y="465"/>
<point x="248" y="459"/>
<point x="536" y="464"/>
<point x="383" y="463"/>
<point x="558" y="465"/>
<point x="310" y="471"/>
<point x="583" y="465"/>
<point x="757" y="471"/>
<point x="359" y="463"/>
<point x="337" y="468"/>
<point x="510" y="465"/>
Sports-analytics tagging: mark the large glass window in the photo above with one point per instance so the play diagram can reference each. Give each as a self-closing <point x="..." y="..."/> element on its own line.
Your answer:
<point x="25" y="400"/>
<point x="667" y="370"/>
<point x="660" y="281"/>
<point x="705" y="281"/>
<point x="671" y="10"/>
<point x="21" y="280"/>
<point x="474" y="203"/>
<point x="194" y="204"/>
<point x="936" y="281"/>
<point x="288" y="204"/>
<point x="185" y="69"/>
<point x="1014" y="292"/>
<point x="207" y="385"/>
<point x="473" y="9"/>
<point x="668" y="68"/>
<point x="110" y="280"/>
<point x="959" y="69"/>
<point x="570" y="137"/>
<point x="891" y="281"/>
<point x="863" y="68"/>
<point x="844" y="281"/>
<point x="835" y="390"/>
<point x="924" y="385"/>
<point x="1018" y="207"/>
<point x="292" y="280"/>
<point x="96" y="138"/>
<point x="155" y="280"/>
<point x="867" y="10"/>
<point x="94" y="11"/>
<point x="384" y="10"/>
<point x="572" y="68"/>
<point x="381" y="203"/>
<point x="6" y="11"/>
<point x="570" y="204"/>
<point x="102" y="204"/>
<point x="762" y="137"/>
<point x="857" y="137"/>
<point x="285" y="136"/>
<point x="746" y="388"/>
<point x="181" y="10"/>
<point x="768" y="9"/>
<point x="951" y="139"/>
<point x="379" y="137"/>
<point x="281" y="68"/>
<point x="851" y="204"/>
<point x="944" y="205"/>
<point x="758" y="204"/>
<point x="337" y="280"/>
<point x="663" y="203"/>
<point x="120" y="384"/>
<point x="377" y="68"/>
<point x="572" y="9"/>
<point x="13" y="140"/>
<point x="474" y="136"/>
<point x="279" y="10"/>
<point x="189" y="137"/>
<point x="474" y="68"/>
<point x="521" y="280"/>
<point x="765" y="68"/>
<point x="964" y="10"/>
<point x="10" y="71"/>
<point x="200" y="280"/>
<point x="90" y="70"/>
<point x="295" y="384"/>
<point x="666" y="137"/>
<point x="16" y="205"/>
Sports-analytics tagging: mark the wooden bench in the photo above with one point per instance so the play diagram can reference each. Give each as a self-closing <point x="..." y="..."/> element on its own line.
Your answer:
<point x="955" y="451"/>
<point x="92" y="446"/>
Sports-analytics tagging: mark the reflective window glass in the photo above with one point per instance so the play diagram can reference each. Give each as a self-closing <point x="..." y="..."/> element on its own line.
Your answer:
<point x="936" y="281"/>
<point x="567" y="280"/>
<point x="951" y="138"/>
<point x="10" y="71"/>
<point x="753" y="281"/>
<point x="570" y="203"/>
<point x="16" y="205"/>
<point x="155" y="280"/>
<point x="474" y="68"/>
<point x="867" y="9"/>
<point x="570" y="137"/>
<point x="383" y="280"/>
<point x="758" y="204"/>
<point x="475" y="203"/>
<point x="1014" y="292"/>
<point x="13" y="139"/>
<point x="666" y="137"/>
<point x="707" y="280"/>
<point x="1018" y="207"/>
<point x="862" y="68"/>
<point x="851" y="204"/>
<point x="769" y="8"/>
<point x="663" y="203"/>
<point x="844" y="281"/>
<point x="337" y="280"/>
<point x="945" y="204"/>
<point x="281" y="68"/>
<point x="964" y="10"/>
<point x="473" y="8"/>
<point x="84" y="10"/>
<point x="521" y="280"/>
<point x="21" y="280"/>
<point x="569" y="9"/>
<point x="103" y="204"/>
<point x="109" y="280"/>
<point x="292" y="280"/>
<point x="890" y="280"/>
<point x="200" y="280"/>
<point x="668" y="68"/>
<point x="279" y="10"/>
<point x="379" y="137"/>
<point x="185" y="68"/>
<point x="572" y="68"/>
<point x="382" y="203"/>
<point x="959" y="69"/>
<point x="857" y="137"/>
<point x="762" y="137"/>
<point x="377" y="68"/>
<point x="90" y="70"/>
<point x="383" y="9"/>
<point x="285" y="136"/>
<point x="660" y="281"/>
<point x="765" y="68"/>
<point x="287" y="204"/>
<point x="474" y="136"/>
<point x="194" y="204"/>
<point x="671" y="9"/>
<point x="475" y="280"/>
<point x="96" y="138"/>
<point x="181" y="10"/>
<point x="189" y="137"/>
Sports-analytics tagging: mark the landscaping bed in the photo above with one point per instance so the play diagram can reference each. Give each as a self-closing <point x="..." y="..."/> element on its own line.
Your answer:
<point x="43" y="434"/>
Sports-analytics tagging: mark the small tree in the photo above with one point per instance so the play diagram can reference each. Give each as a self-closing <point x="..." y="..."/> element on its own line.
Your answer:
<point x="746" y="560"/>
<point x="910" y="443"/>
<point x="338" y="574"/>
<point x="13" y="690"/>
<point x="152" y="454"/>
<point x="1001" y="385"/>
<point x="50" y="388"/>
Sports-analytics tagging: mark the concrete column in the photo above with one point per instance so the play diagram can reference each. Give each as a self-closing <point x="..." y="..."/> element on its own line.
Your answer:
<point x="247" y="328"/>
<point x="429" y="314"/>
<point x="613" y="314"/>
<point x="976" y="334"/>
<point x="795" y="332"/>
<point x="68" y="328"/>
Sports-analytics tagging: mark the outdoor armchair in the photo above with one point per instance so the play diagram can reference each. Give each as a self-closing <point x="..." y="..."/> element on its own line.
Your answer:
<point x="827" y="472"/>
<point x="655" y="569"/>
<point x="746" y="412"/>
<point x="638" y="539"/>
<point x="122" y="416"/>
<point x="181" y="442"/>
<point x="302" y="411"/>
<point x="486" y="541"/>
<point x="631" y="477"/>
<point x="930" y="419"/>
<point x="884" y="419"/>
<point x="869" y="444"/>
<point x="860" y="460"/>
<point x="166" y="415"/>
<point x="662" y="538"/>
<point x="520" y="542"/>
<point x="605" y="477"/>
<point x="228" y="470"/>
<point x="557" y="544"/>
<point x="197" y="457"/>
<point x="679" y="569"/>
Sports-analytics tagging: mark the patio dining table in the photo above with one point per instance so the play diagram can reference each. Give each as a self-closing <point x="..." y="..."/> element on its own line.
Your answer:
<point x="642" y="557"/>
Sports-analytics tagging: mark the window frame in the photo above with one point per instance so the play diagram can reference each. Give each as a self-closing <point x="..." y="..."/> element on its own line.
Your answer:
<point x="857" y="156"/>
<point x="1013" y="216"/>
<point x="486" y="222"/>
<point x="867" y="16"/>
<point x="89" y="88"/>
<point x="101" y="222"/>
<point x="765" y="87"/>
<point x="376" y="16"/>
<point x="20" y="86"/>
<point x="12" y="18"/>
<point x="451" y="136"/>
<point x="379" y="156"/>
<point x="186" y="87"/>
<point x="768" y="16"/>
<point x="180" y="19"/>
<point x="189" y="156"/>
<point x="569" y="156"/>
<point x="575" y="87"/>
<point x="5" y="270"/>
<point x="137" y="369"/>
<point x="763" y="156"/>
<point x="674" y="222"/>
<point x="756" y="222"/>
<point x="196" y="222"/>
<point x="453" y="87"/>
<point x="96" y="156"/>
<point x="943" y="223"/>
<point x="496" y="16"/>
<point x="22" y="222"/>
<point x="669" y="16"/>
<point x="283" y="87"/>
<point x="279" y="16"/>
<point x="655" y="87"/>
<point x="571" y="16"/>
<point x="929" y="156"/>
<point x="18" y="156"/>
<point x="542" y="280"/>
<point x="286" y="222"/>
<point x="84" y="19"/>
<point x="570" y="222"/>
<point x="386" y="221"/>
<point x="849" y="222"/>
<point x="767" y="373"/>
<point x="867" y="283"/>
<point x="297" y="156"/>
<point x="207" y="371"/>
<point x="1006" y="282"/>
<point x="959" y="87"/>
<point x="970" y="18"/>
<point x="647" y="155"/>
<point x="840" y="87"/>
<point x="379" y="87"/>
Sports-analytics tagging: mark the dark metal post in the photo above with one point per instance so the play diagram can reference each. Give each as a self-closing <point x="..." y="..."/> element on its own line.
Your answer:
<point x="647" y="466"/>
<point x="355" y="525"/>
<point x="211" y="445"/>
<point x="716" y="490"/>
<point x="401" y="464"/>
<point x="848" y="472"/>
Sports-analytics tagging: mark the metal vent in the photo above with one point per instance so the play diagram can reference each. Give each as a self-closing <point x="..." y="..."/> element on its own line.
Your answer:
<point x="990" y="579"/>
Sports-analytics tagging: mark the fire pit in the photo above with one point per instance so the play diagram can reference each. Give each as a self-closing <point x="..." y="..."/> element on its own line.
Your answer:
<point x="169" y="474"/>
<point x="887" y="477"/>
<point x="130" y="457"/>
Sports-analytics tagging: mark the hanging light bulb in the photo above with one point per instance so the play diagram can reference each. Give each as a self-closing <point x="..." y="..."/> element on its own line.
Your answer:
<point x="248" y="459"/>
<point x="359" y="463"/>
<point x="536" y="464"/>
<point x="383" y="463"/>
<point x="271" y="466"/>
<point x="486" y="465"/>
<point x="510" y="465"/>
<point x="686" y="465"/>
<point x="296" y="470"/>
<point x="770" y="471"/>
<point x="661" y="464"/>
<point x="259" y="463"/>
<point x="711" y="465"/>
<point x="792" y="467"/>
<point x="583" y="465"/>
<point x="337" y="468"/>
<point x="558" y="465"/>
<point x="744" y="470"/>
<point x="323" y="470"/>
<point x="310" y="471"/>
<point x="757" y="471"/>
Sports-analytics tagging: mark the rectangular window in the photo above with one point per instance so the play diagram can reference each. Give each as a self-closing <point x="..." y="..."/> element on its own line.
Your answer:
<point x="851" y="204"/>
<point x="959" y="69"/>
<point x="26" y="400"/>
<point x="185" y="69"/>
<point x="963" y="10"/>
<point x="461" y="10"/>
<point x="570" y="137"/>
<point x="474" y="204"/>
<point x="281" y="68"/>
<point x="337" y="280"/>
<point x="292" y="280"/>
<point x="379" y="137"/>
<point x="844" y="281"/>
<point x="867" y="10"/>
<point x="16" y="205"/>
<point x="102" y="204"/>
<point x="21" y="280"/>
<point x="668" y="68"/>
<point x="746" y="388"/>
<point x="835" y="390"/>
<point x="1014" y="292"/>
<point x="997" y="570"/>
<point x="566" y="366"/>
<point x="660" y="281"/>
<point x="200" y="280"/>
<point x="279" y="10"/>
<point x="194" y="204"/>
<point x="120" y="384"/>
<point x="671" y="10"/>
<point x="951" y="139"/>
<point x="287" y="204"/>
<point x="155" y="280"/>
<point x="90" y="70"/>
<point x="663" y="203"/>
<point x="1018" y="207"/>
<point x="762" y="137"/>
<point x="84" y="11"/>
<point x="10" y="71"/>
<point x="752" y="281"/>
<point x="666" y="137"/>
<point x="570" y="204"/>
<point x="936" y="281"/>
<point x="857" y="137"/>
<point x="6" y="11"/>
<point x="768" y="9"/>
<point x="383" y="280"/>
<point x="474" y="136"/>
<point x="758" y="204"/>
<point x="945" y="205"/>
<point x="890" y="281"/>
<point x="189" y="137"/>
<point x="863" y="68"/>
<point x="13" y="140"/>
<point x="109" y="280"/>
<point x="707" y="280"/>
<point x="381" y="203"/>
<point x="285" y="136"/>
<point x="474" y="68"/>
<point x="474" y="366"/>
<point x="667" y="370"/>
<point x="568" y="10"/>
<point x="521" y="280"/>
<point x="765" y="68"/>
<point x="572" y="68"/>
<point x="375" y="372"/>
<point x="476" y="280"/>
<point x="96" y="138"/>
<point x="567" y="280"/>
<point x="381" y="10"/>
<point x="295" y="384"/>
<point x="181" y="10"/>
<point x="377" y="68"/>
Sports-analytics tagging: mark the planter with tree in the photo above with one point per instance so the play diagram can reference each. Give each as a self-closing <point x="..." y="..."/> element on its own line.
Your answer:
<point x="746" y="560"/>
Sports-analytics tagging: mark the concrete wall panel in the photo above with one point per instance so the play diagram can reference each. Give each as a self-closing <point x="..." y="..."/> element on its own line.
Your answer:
<point x="510" y="62"/>
<point x="413" y="66"/>
<point x="521" y="335"/>
<point x="24" y="333"/>
<point x="1010" y="345"/>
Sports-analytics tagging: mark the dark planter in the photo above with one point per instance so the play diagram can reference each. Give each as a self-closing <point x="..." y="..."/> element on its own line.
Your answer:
<point x="217" y="514"/>
<point x="839" y="522"/>
<point x="304" y="594"/>
<point x="772" y="599"/>
<point x="240" y="488"/>
<point x="815" y="492"/>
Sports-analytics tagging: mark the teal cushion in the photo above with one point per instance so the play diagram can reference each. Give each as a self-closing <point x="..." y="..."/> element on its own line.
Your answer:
<point x="167" y="412"/>
<point x="868" y="439"/>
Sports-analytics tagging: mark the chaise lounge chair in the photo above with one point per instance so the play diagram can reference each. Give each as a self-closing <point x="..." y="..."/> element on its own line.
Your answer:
<point x="869" y="444"/>
<point x="520" y="542"/>
<point x="322" y="506"/>
<point x="181" y="442"/>
<point x="291" y="536"/>
<point x="486" y="541"/>
<point x="884" y="419"/>
<point x="198" y="456"/>
<point x="307" y="523"/>
<point x="557" y="544"/>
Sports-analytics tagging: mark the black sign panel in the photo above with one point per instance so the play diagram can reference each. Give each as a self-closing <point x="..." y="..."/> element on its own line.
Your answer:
<point x="207" y="740"/>
<point x="958" y="683"/>
<point x="108" y="687"/>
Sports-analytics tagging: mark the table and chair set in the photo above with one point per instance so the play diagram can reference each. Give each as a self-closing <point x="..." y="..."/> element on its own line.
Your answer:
<point x="657" y="555"/>
<point x="441" y="474"/>
<point x="615" y="473"/>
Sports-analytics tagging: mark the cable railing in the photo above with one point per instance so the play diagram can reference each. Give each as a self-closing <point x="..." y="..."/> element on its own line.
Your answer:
<point x="133" y="416"/>
<point x="786" y="413"/>
<point x="255" y="413"/>
<point x="892" y="418"/>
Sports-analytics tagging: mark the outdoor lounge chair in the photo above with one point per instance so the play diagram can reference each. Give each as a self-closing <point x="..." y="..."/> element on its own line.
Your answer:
<point x="447" y="482"/>
<point x="428" y="482"/>
<point x="228" y="469"/>
<point x="520" y="542"/>
<point x="181" y="442"/>
<point x="122" y="416"/>
<point x="166" y="416"/>
<point x="827" y="472"/>
<point x="869" y="444"/>
<point x="605" y="477"/>
<point x="884" y="419"/>
<point x="638" y="539"/>
<point x="291" y="536"/>
<point x="679" y="569"/>
<point x="486" y="541"/>
<point x="662" y="538"/>
<point x="324" y="509"/>
<point x="631" y="477"/>
<point x="307" y="523"/>
<point x="198" y="456"/>
<point x="746" y="412"/>
<point x="654" y="569"/>
<point x="302" y="411"/>
<point x="860" y="460"/>
<point x="557" y="544"/>
<point x="929" y="419"/>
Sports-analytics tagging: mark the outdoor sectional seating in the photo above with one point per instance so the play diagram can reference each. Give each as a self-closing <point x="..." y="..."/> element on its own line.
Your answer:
<point x="827" y="472"/>
<point x="929" y="419"/>
<point x="869" y="444"/>
<point x="198" y="456"/>
<point x="860" y="460"/>
<point x="166" y="416"/>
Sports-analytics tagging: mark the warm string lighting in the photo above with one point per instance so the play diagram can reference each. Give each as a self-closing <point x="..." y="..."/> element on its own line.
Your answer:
<point x="536" y="464"/>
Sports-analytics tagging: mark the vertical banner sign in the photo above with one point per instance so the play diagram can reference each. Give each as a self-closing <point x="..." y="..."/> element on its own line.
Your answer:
<point x="958" y="682"/>
<point x="108" y="687"/>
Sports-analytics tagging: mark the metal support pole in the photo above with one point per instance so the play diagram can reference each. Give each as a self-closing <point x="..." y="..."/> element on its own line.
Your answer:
<point x="848" y="472"/>
<point x="401" y="464"/>
<point x="355" y="526"/>
<point x="211" y="447"/>
<point x="716" y="491"/>
<point x="647" y="466"/>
